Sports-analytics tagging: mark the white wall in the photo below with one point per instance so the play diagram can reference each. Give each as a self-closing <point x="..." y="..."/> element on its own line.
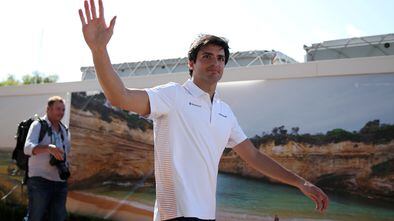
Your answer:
<point x="14" y="109"/>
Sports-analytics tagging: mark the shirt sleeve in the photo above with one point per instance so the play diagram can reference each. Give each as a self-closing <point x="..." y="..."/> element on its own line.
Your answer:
<point x="236" y="135"/>
<point x="161" y="99"/>
<point x="32" y="138"/>
<point x="68" y="142"/>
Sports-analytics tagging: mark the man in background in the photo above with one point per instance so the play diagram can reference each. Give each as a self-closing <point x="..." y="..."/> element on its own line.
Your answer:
<point x="48" y="165"/>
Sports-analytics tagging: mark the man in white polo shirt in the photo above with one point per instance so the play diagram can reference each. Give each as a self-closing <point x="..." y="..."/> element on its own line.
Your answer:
<point x="192" y="126"/>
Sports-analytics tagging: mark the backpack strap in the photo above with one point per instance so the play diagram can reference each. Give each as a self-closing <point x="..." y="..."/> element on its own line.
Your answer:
<point x="44" y="128"/>
<point x="61" y="131"/>
<point x="65" y="127"/>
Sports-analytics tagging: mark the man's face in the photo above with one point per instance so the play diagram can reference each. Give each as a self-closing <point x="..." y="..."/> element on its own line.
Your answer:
<point x="56" y="111"/>
<point x="209" y="64"/>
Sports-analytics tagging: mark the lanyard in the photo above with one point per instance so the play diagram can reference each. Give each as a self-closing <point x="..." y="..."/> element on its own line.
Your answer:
<point x="55" y="136"/>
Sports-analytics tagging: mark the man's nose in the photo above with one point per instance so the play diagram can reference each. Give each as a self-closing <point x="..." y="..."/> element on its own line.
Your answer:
<point x="216" y="62"/>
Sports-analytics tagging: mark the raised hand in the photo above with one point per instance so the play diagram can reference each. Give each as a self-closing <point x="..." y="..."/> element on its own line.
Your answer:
<point x="95" y="31"/>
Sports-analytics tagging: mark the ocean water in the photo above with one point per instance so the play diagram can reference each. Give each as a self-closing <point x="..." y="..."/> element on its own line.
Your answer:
<point x="247" y="196"/>
<point x="240" y="195"/>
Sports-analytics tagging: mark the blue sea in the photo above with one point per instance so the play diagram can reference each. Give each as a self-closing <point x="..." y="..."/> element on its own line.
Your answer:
<point x="239" y="195"/>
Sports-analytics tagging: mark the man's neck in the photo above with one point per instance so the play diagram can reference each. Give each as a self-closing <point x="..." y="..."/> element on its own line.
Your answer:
<point x="208" y="88"/>
<point x="55" y="124"/>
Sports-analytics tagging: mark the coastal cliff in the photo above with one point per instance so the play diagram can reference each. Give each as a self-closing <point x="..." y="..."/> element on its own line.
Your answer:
<point x="110" y="144"/>
<point x="358" y="168"/>
<point x="105" y="144"/>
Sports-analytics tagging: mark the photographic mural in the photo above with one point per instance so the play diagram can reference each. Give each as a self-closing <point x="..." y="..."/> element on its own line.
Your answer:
<point x="337" y="132"/>
<point x="112" y="160"/>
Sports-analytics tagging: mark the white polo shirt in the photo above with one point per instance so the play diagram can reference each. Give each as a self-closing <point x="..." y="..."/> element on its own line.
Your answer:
<point x="190" y="134"/>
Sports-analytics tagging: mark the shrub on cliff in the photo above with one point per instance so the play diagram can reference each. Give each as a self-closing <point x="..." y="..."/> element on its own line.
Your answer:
<point x="372" y="132"/>
<point x="339" y="135"/>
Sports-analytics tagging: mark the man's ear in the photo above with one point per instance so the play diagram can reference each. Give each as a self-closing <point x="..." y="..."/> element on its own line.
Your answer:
<point x="190" y="64"/>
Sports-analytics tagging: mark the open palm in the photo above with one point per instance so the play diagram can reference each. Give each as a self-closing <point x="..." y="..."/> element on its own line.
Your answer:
<point x="95" y="31"/>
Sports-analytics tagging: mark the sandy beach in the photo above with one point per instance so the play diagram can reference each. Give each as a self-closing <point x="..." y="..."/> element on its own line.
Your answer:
<point x="107" y="207"/>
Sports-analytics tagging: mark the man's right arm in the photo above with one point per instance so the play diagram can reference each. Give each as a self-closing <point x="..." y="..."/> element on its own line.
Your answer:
<point x="51" y="149"/>
<point x="97" y="35"/>
<point x="135" y="100"/>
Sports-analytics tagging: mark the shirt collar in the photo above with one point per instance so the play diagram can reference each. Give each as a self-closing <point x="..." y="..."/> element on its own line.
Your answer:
<point x="47" y="120"/>
<point x="196" y="91"/>
<point x="50" y="123"/>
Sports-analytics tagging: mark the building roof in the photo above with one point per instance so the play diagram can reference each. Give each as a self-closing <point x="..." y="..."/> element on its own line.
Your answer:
<point x="368" y="46"/>
<point x="176" y="65"/>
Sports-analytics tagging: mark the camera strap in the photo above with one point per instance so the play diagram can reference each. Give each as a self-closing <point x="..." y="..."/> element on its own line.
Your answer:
<point x="50" y="133"/>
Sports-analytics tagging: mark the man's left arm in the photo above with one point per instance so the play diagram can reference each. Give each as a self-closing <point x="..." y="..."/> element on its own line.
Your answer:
<point x="269" y="167"/>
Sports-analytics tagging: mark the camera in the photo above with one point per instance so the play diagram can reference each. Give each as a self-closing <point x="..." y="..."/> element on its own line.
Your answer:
<point x="64" y="172"/>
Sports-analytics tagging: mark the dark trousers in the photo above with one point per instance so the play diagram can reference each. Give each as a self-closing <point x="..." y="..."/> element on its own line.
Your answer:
<point x="46" y="198"/>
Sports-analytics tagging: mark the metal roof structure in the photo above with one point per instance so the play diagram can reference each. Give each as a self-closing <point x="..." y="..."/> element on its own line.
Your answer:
<point x="369" y="46"/>
<point x="165" y="66"/>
